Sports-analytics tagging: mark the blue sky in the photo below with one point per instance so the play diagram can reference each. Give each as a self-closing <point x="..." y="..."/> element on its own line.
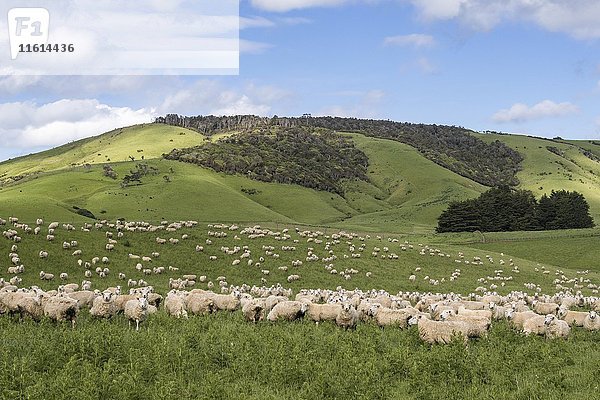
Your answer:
<point x="522" y="66"/>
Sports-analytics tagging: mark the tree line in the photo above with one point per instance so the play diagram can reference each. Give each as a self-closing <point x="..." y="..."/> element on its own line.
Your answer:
<point x="506" y="209"/>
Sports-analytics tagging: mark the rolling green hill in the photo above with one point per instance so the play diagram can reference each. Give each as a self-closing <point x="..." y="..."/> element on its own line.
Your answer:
<point x="405" y="193"/>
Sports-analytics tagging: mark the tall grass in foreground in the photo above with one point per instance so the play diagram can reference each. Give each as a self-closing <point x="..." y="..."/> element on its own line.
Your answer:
<point x="221" y="356"/>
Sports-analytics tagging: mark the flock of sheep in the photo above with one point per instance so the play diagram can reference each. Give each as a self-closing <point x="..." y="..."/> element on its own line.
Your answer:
<point x="439" y="317"/>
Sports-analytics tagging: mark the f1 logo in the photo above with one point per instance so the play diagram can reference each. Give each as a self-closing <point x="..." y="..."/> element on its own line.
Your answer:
<point x="27" y="26"/>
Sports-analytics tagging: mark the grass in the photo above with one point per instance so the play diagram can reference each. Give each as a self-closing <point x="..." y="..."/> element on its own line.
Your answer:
<point x="222" y="357"/>
<point x="544" y="171"/>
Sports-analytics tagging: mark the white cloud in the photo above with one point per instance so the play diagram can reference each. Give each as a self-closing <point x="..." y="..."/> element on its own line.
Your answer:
<point x="287" y="5"/>
<point x="520" y="112"/>
<point x="27" y="125"/>
<point x="577" y="18"/>
<point x="413" y="40"/>
<point x="211" y="97"/>
<point x="365" y="106"/>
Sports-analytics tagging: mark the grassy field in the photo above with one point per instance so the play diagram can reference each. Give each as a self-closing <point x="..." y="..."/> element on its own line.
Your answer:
<point x="221" y="356"/>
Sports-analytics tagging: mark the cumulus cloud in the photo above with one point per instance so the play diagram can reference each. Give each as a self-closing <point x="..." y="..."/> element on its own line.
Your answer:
<point x="412" y="40"/>
<point x="26" y="125"/>
<point x="212" y="97"/>
<point x="578" y="18"/>
<point x="520" y="112"/>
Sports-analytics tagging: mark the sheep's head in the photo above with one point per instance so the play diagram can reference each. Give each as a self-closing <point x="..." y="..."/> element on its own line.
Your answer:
<point x="593" y="315"/>
<point x="106" y="296"/>
<point x="143" y="303"/>
<point x="492" y="305"/>
<point x="373" y="309"/>
<point x="549" y="318"/>
<point x="444" y="315"/>
<point x="346" y="307"/>
<point x="562" y="311"/>
<point x="510" y="313"/>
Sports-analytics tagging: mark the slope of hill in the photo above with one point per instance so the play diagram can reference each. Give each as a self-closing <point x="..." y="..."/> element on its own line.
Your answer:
<point x="140" y="142"/>
<point x="406" y="192"/>
<point x="550" y="165"/>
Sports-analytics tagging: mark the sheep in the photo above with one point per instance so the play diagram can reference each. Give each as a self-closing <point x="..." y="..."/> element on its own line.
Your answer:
<point x="43" y="254"/>
<point x="199" y="304"/>
<point x="556" y="328"/>
<point x="104" y="306"/>
<point x="535" y="325"/>
<point x="31" y="306"/>
<point x="136" y="310"/>
<point x="253" y="310"/>
<point x="517" y="319"/>
<point x="478" y="325"/>
<point x="84" y="298"/>
<point x="347" y="317"/>
<point x="439" y="331"/>
<point x="592" y="322"/>
<point x="572" y="317"/>
<point x="63" y="276"/>
<point x="61" y="308"/>
<point x="545" y="308"/>
<point x="287" y="310"/>
<point x="175" y="305"/>
<point x="272" y="301"/>
<point x="385" y="316"/>
<point x="321" y="312"/>
<point x="46" y="276"/>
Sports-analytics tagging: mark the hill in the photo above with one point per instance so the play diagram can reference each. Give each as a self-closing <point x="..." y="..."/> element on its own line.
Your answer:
<point x="404" y="190"/>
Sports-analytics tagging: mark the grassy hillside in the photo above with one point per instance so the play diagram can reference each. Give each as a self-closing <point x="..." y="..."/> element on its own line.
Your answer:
<point x="544" y="171"/>
<point x="148" y="140"/>
<point x="406" y="192"/>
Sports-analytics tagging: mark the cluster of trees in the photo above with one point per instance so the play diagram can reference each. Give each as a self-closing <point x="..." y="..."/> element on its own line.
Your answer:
<point x="505" y="209"/>
<point x="136" y="175"/>
<point x="454" y="148"/>
<point x="290" y="155"/>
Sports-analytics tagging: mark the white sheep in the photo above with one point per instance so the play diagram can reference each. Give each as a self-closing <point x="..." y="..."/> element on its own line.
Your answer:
<point x="104" y="306"/>
<point x="572" y="317"/>
<point x="535" y="325"/>
<point x="592" y="322"/>
<point x="320" y="312"/>
<point x="254" y="310"/>
<point x="61" y="308"/>
<point x="287" y="310"/>
<point x="136" y="310"/>
<point x="439" y="331"/>
<point x="556" y="328"/>
<point x="347" y="317"/>
<point x="175" y="305"/>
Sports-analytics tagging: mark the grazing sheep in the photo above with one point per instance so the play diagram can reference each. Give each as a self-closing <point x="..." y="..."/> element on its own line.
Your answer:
<point x="175" y="305"/>
<point x="478" y="325"/>
<point x="517" y="319"/>
<point x="556" y="328"/>
<point x="31" y="306"/>
<point x="61" y="308"/>
<point x="287" y="310"/>
<point x="535" y="325"/>
<point x="63" y="276"/>
<point x="136" y="310"/>
<point x="321" y="312"/>
<point x="84" y="298"/>
<point x="592" y="322"/>
<point x="545" y="308"/>
<point x="439" y="331"/>
<point x="43" y="254"/>
<point x="347" y="317"/>
<point x="104" y="306"/>
<point x="45" y="276"/>
<point x="253" y="310"/>
<point x="385" y="316"/>
<point x="199" y="304"/>
<point x="572" y="317"/>
<point x="272" y="300"/>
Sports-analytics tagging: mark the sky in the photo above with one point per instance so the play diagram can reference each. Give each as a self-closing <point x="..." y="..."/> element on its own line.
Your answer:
<point x="517" y="66"/>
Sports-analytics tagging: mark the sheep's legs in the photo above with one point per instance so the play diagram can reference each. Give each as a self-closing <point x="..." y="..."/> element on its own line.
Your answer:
<point x="137" y="325"/>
